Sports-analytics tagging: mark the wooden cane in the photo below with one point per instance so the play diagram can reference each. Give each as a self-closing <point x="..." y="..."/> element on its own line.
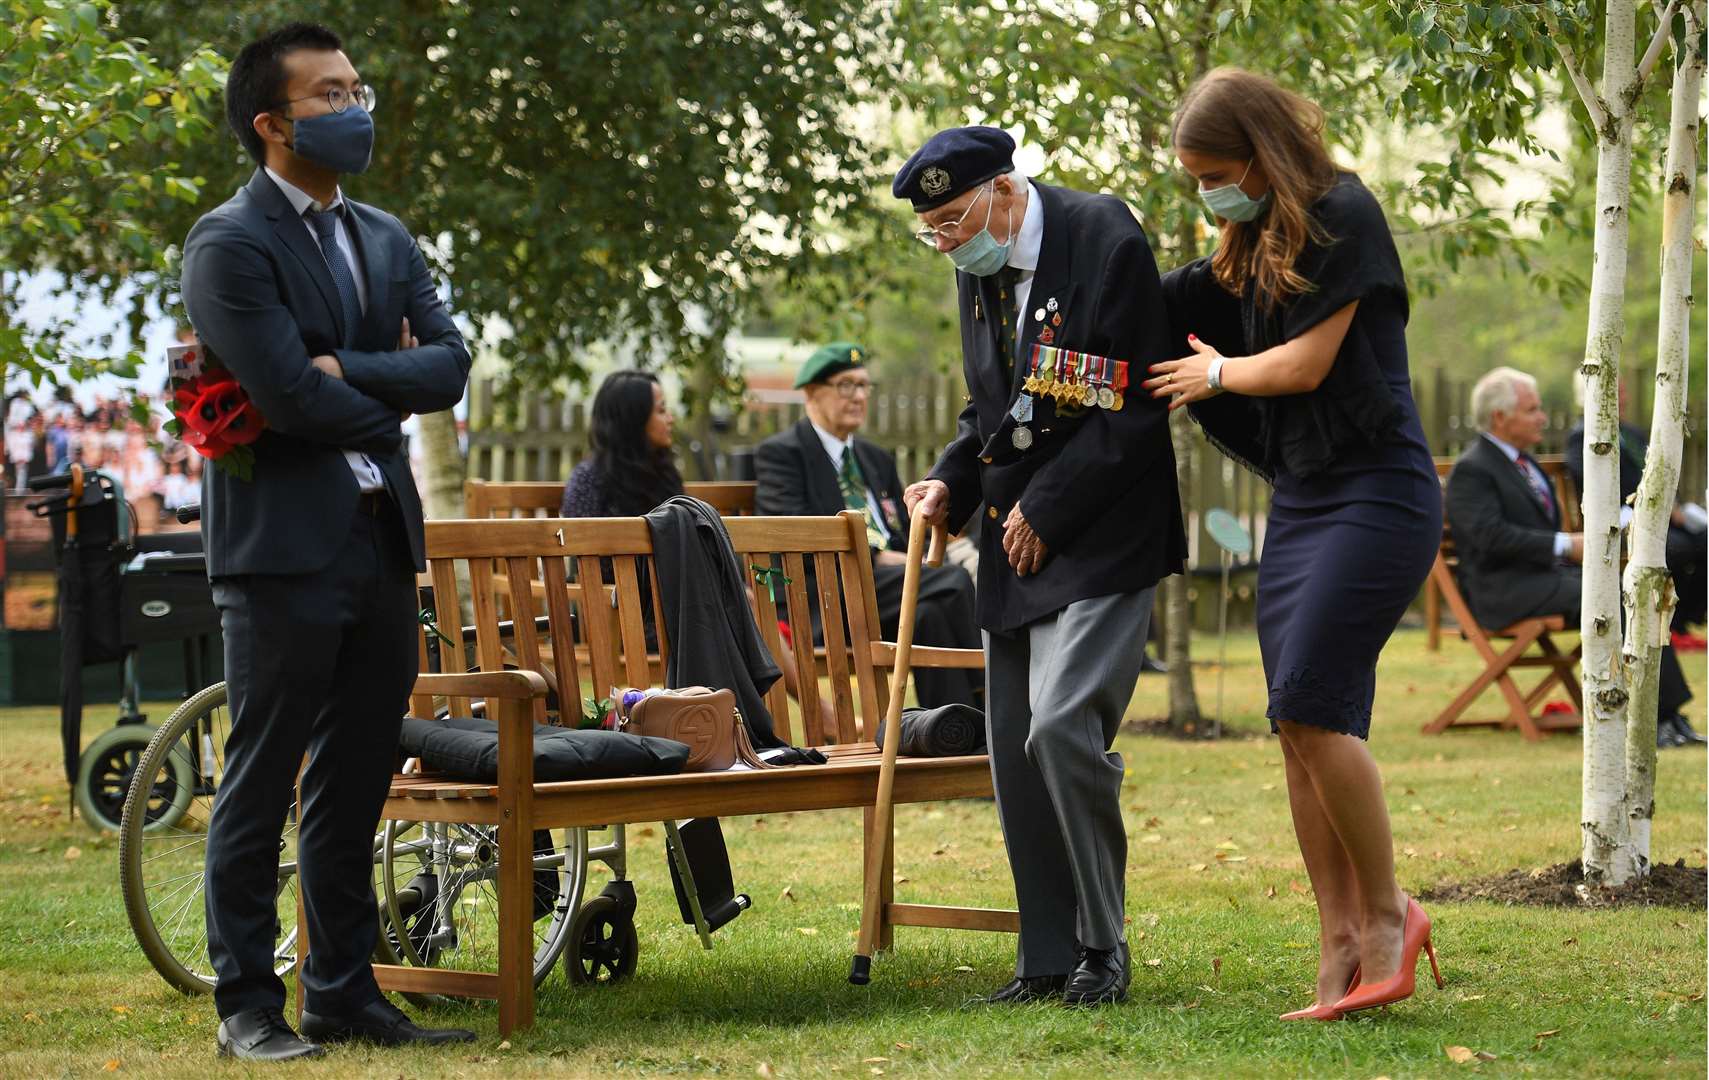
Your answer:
<point x="878" y="851"/>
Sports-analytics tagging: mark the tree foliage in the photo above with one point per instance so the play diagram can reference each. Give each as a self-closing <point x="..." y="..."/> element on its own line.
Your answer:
<point x="586" y="173"/>
<point x="74" y="95"/>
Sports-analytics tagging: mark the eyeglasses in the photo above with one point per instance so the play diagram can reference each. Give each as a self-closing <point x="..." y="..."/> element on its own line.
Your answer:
<point x="928" y="235"/>
<point x="850" y="388"/>
<point x="340" y="99"/>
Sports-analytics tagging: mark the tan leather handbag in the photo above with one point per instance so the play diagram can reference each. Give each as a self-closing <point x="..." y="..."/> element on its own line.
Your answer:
<point x="706" y="720"/>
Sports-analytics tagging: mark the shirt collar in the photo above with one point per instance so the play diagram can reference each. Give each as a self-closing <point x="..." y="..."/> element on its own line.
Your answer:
<point x="1024" y="255"/>
<point x="1511" y="451"/>
<point x="834" y="446"/>
<point x="301" y="201"/>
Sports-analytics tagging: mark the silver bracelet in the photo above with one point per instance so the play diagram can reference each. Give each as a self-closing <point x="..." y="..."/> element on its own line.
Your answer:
<point x="1213" y="375"/>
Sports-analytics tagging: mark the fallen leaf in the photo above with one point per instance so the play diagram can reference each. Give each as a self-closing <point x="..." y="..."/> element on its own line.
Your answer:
<point x="1296" y="887"/>
<point x="1220" y="857"/>
<point x="1548" y="1034"/>
<point x="32" y="1018"/>
<point x="1484" y="1055"/>
<point x="1267" y="787"/>
<point x="1228" y="845"/>
<point x="1411" y="853"/>
<point x="1198" y="866"/>
<point x="786" y="894"/>
<point x="1570" y="941"/>
<point x="1270" y="892"/>
<point x="1509" y="828"/>
<point x="875" y="1061"/>
<point x="112" y="1065"/>
<point x="76" y="853"/>
<point x="1154" y="962"/>
<point x="647" y="831"/>
<point x="1151" y="838"/>
<point x="505" y="1045"/>
<point x="808" y="930"/>
<point x="121" y="1009"/>
<point x="909" y="1046"/>
<point x="1459" y="1055"/>
<point x="1207" y="820"/>
<point x="764" y="1070"/>
<point x="964" y="969"/>
<point x="1152" y="823"/>
<point x="1216" y="966"/>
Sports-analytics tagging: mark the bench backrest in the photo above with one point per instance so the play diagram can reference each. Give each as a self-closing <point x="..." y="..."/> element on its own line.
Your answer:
<point x="535" y="499"/>
<point x="527" y="556"/>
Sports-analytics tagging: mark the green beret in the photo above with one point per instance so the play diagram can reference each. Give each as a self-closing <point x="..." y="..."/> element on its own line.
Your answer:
<point x="829" y="360"/>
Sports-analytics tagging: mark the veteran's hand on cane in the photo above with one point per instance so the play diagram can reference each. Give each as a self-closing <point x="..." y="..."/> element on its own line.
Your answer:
<point x="1183" y="381"/>
<point x="1023" y="547"/>
<point x="932" y="496"/>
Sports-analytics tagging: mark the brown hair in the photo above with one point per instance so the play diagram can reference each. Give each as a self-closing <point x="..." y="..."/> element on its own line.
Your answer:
<point x="1231" y="113"/>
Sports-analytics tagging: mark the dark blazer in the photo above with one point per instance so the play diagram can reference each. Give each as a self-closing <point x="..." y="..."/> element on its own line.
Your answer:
<point x="262" y="300"/>
<point x="1097" y="486"/>
<point x="1504" y="535"/>
<point x="1634" y="443"/>
<point x="794" y="477"/>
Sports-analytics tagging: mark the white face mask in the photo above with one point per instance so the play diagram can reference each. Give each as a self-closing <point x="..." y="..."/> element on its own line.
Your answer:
<point x="1232" y="204"/>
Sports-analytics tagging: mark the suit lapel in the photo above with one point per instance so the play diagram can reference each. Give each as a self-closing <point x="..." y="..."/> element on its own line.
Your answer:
<point x="293" y="232"/>
<point x="1508" y="473"/>
<point x="823" y="491"/>
<point x="375" y="269"/>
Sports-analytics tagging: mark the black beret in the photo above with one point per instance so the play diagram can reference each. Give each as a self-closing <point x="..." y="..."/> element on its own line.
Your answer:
<point x="951" y="162"/>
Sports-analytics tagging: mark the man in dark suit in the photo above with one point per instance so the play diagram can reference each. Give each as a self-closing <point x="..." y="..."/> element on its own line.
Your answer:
<point x="323" y="309"/>
<point x="1515" y="562"/>
<point x="1074" y="466"/>
<point x="821" y="466"/>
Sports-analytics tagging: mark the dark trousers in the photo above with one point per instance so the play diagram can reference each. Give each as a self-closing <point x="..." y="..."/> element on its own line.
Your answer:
<point x="318" y="664"/>
<point x="945" y="617"/>
<point x="1687" y="556"/>
<point x="1672" y="692"/>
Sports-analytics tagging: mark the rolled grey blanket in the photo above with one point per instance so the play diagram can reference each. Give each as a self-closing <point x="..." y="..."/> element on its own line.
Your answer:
<point x="946" y="731"/>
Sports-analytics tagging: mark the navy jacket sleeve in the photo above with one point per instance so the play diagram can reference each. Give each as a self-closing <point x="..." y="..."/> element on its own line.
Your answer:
<point x="1110" y="451"/>
<point x="425" y="379"/>
<point x="233" y="300"/>
<point x="958" y="468"/>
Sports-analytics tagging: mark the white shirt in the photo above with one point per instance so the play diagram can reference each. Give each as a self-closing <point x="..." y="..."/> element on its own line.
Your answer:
<point x="1023" y="256"/>
<point x="367" y="474"/>
<point x="835" y="448"/>
<point x="1563" y="542"/>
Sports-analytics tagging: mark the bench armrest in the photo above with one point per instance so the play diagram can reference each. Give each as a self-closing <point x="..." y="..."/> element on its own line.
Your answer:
<point x="928" y="656"/>
<point x="511" y="685"/>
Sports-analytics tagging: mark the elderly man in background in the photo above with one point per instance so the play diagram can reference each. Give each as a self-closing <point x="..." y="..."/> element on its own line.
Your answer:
<point x="1515" y="560"/>
<point x="821" y="466"/>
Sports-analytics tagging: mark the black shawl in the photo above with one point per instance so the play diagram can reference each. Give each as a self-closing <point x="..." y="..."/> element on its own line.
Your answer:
<point x="1301" y="434"/>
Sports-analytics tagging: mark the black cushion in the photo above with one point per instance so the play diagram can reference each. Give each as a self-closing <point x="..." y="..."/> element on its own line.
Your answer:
<point x="467" y="748"/>
<point x="946" y="731"/>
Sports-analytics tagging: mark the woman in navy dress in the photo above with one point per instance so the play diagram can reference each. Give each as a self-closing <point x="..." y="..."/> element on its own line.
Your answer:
<point x="1306" y="299"/>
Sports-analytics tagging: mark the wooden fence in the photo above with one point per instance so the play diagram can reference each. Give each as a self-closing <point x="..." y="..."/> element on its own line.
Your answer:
<point x="541" y="437"/>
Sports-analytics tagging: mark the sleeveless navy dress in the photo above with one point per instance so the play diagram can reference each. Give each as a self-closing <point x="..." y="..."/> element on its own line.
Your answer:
<point x="1349" y="542"/>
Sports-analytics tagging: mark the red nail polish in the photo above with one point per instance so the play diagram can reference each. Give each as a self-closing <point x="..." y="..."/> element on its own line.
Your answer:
<point x="1192" y="337"/>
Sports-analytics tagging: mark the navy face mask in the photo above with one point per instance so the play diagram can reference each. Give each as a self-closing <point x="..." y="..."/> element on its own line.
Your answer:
<point x="342" y="142"/>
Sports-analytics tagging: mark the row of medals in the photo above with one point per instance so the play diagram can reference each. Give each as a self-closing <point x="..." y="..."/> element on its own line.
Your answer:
<point x="1073" y="393"/>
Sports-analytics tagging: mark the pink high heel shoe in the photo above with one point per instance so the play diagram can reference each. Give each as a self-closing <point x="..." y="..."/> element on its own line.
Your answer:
<point x="1320" y="1011"/>
<point x="1415" y="935"/>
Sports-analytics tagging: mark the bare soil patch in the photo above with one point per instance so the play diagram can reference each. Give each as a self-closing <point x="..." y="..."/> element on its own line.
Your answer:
<point x="1675" y="885"/>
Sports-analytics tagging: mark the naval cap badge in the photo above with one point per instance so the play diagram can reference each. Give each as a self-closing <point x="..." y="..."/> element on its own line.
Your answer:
<point x="934" y="181"/>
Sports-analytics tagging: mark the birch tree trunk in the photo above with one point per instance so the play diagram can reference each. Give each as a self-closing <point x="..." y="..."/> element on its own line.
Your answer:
<point x="1184" y="715"/>
<point x="1649" y="591"/>
<point x="1606" y="839"/>
<point x="443" y="465"/>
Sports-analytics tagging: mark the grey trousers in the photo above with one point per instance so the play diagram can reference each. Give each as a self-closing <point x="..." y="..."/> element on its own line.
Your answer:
<point x="1055" y="694"/>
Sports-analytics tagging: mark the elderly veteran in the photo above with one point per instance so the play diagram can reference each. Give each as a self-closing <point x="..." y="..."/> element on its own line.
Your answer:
<point x="821" y="466"/>
<point x="1061" y="313"/>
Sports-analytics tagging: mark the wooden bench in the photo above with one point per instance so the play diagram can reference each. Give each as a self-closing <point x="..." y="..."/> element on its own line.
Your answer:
<point x="538" y="552"/>
<point x="1523" y="709"/>
<point x="512" y="499"/>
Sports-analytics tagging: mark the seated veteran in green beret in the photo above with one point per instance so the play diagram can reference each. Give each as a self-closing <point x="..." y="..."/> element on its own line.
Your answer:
<point x="820" y="466"/>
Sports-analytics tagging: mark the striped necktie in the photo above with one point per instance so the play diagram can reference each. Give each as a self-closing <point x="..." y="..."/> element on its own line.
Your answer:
<point x="854" y="496"/>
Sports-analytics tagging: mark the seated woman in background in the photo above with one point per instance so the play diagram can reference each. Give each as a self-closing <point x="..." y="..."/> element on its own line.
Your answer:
<point x="629" y="470"/>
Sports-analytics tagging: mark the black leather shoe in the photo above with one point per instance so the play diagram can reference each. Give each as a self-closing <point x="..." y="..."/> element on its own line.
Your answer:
<point x="1100" y="978"/>
<point x="1150" y="665"/>
<point x="1683" y="732"/>
<point x="1022" y="990"/>
<point x="382" y="1023"/>
<point x="1666" y="736"/>
<point x="262" y="1035"/>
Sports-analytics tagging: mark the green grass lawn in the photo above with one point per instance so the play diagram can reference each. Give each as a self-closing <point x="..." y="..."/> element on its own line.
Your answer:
<point x="1223" y="932"/>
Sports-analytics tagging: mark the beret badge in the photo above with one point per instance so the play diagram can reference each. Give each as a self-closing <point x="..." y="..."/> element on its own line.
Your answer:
<point x="934" y="181"/>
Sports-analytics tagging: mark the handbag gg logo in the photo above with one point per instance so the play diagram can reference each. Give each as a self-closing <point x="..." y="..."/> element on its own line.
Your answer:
<point x="698" y="728"/>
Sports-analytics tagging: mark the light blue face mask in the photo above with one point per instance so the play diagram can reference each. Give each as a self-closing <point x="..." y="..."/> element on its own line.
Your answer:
<point x="1232" y="204"/>
<point x="982" y="255"/>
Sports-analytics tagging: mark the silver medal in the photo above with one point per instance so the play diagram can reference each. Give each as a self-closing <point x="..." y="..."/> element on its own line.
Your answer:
<point x="1021" y="437"/>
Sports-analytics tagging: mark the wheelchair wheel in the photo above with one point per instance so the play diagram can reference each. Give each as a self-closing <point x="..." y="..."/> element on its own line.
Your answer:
<point x="603" y="945"/>
<point x="105" y="771"/>
<point x="438" y="892"/>
<point x="160" y="860"/>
